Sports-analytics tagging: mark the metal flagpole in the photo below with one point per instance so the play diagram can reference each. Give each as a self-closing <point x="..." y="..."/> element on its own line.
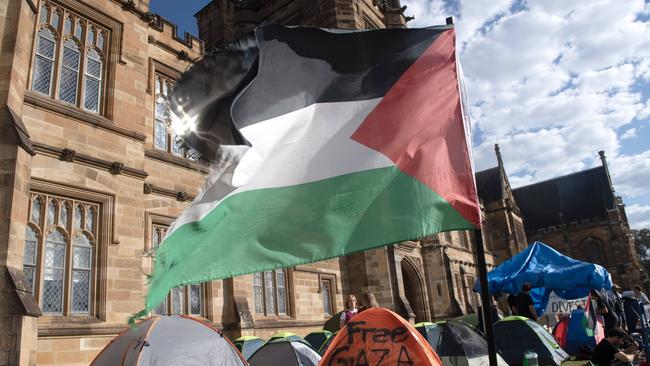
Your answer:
<point x="486" y="300"/>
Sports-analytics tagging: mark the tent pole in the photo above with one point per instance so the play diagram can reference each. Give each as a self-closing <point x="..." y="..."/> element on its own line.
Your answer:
<point x="486" y="300"/>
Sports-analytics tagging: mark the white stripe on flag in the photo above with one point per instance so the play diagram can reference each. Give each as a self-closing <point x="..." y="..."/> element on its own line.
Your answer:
<point x="303" y="146"/>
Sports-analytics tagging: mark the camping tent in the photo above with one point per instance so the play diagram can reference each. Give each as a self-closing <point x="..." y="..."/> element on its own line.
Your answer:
<point x="379" y="335"/>
<point x="170" y="340"/>
<point x="333" y="324"/>
<point x="247" y="345"/>
<point x="547" y="270"/>
<point x="286" y="349"/>
<point x="515" y="335"/>
<point x="581" y="329"/>
<point x="317" y="339"/>
<point x="325" y="346"/>
<point x="457" y="344"/>
<point x="471" y="320"/>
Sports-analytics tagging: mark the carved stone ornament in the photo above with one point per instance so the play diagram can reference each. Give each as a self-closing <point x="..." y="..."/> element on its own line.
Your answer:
<point x="117" y="168"/>
<point x="68" y="155"/>
<point x="151" y="18"/>
<point x="129" y="5"/>
<point x="147" y="188"/>
<point x="181" y="196"/>
<point x="182" y="55"/>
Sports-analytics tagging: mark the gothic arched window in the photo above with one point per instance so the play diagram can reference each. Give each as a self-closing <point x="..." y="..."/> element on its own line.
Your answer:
<point x="69" y="66"/>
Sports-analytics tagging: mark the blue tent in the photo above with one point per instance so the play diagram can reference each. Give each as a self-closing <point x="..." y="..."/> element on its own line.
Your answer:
<point x="547" y="270"/>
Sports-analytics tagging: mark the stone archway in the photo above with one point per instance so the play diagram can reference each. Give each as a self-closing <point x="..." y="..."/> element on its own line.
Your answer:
<point x="414" y="290"/>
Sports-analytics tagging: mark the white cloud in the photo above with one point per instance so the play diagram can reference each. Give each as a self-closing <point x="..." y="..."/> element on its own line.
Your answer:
<point x="553" y="82"/>
<point x="631" y="174"/>
<point x="629" y="134"/>
<point x="638" y="216"/>
<point x="426" y="12"/>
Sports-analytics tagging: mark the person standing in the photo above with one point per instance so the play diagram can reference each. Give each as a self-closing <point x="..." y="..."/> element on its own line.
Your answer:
<point x="617" y="303"/>
<point x="351" y="310"/>
<point x="604" y="308"/>
<point x="639" y="295"/>
<point x="524" y="303"/>
<point x="607" y="352"/>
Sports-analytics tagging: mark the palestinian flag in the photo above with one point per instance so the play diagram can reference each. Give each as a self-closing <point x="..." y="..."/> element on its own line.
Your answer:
<point x="357" y="141"/>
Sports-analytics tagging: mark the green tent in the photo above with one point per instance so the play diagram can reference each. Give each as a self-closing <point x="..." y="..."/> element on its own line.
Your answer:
<point x="247" y="345"/>
<point x="515" y="335"/>
<point x="457" y="344"/>
<point x="333" y="324"/>
<point x="317" y="339"/>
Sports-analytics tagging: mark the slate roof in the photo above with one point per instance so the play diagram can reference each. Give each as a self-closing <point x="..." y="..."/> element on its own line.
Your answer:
<point x="578" y="196"/>
<point x="488" y="184"/>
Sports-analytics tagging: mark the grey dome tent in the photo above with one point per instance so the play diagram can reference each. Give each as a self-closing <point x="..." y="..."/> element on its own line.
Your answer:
<point x="170" y="340"/>
<point x="516" y="334"/>
<point x="457" y="344"/>
<point x="285" y="349"/>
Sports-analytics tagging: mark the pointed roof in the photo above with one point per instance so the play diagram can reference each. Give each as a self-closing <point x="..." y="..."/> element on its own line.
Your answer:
<point x="488" y="184"/>
<point x="561" y="200"/>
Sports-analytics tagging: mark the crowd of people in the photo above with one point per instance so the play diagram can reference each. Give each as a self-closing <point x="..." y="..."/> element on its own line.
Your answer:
<point x="618" y="347"/>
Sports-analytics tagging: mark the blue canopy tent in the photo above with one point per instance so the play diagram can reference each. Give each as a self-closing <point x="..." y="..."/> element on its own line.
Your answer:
<point x="547" y="270"/>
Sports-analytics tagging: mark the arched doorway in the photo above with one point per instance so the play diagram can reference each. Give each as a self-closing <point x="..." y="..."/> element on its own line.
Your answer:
<point x="413" y="290"/>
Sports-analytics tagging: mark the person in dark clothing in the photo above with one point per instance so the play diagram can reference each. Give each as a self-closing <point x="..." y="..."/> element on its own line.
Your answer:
<point x="607" y="352"/>
<point x="524" y="303"/>
<point x="617" y="304"/>
<point x="604" y="308"/>
<point x="512" y="299"/>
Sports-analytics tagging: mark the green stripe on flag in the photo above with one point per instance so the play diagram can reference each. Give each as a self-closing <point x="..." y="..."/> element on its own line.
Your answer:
<point x="270" y="228"/>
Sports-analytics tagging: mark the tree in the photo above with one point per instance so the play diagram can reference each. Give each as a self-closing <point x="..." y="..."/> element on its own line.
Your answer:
<point x="642" y="241"/>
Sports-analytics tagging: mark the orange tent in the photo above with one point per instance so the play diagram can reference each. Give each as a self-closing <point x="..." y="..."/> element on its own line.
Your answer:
<point x="379" y="337"/>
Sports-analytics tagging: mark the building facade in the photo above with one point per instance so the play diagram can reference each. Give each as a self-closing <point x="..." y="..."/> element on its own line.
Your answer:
<point x="92" y="176"/>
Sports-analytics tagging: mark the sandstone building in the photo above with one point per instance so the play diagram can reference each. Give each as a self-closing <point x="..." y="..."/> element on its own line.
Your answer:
<point x="92" y="176"/>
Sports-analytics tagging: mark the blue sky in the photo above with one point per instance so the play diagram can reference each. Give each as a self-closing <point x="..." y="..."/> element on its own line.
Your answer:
<point x="181" y="15"/>
<point x="552" y="81"/>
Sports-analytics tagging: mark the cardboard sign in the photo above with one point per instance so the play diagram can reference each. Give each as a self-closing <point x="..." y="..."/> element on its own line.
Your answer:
<point x="379" y="337"/>
<point x="558" y="305"/>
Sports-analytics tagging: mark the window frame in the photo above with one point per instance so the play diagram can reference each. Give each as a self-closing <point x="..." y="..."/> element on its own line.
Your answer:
<point x="111" y="55"/>
<point x="162" y="84"/>
<point x="43" y="228"/>
<point x="331" y="281"/>
<point x="160" y="224"/>
<point x="274" y="287"/>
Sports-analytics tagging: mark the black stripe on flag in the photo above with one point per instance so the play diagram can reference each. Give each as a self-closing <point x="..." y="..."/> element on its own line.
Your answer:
<point x="300" y="66"/>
